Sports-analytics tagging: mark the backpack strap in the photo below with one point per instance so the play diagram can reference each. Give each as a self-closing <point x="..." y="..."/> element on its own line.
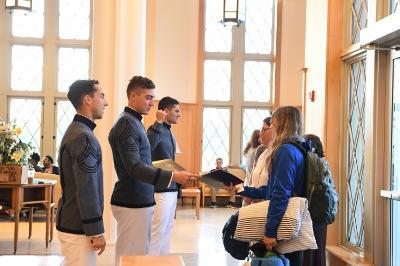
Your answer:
<point x="298" y="146"/>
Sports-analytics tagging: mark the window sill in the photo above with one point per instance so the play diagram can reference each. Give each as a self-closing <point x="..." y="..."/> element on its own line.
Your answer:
<point x="337" y="255"/>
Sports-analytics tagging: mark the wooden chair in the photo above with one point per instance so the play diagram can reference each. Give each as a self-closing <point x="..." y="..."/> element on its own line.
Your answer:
<point x="206" y="190"/>
<point x="195" y="193"/>
<point x="57" y="192"/>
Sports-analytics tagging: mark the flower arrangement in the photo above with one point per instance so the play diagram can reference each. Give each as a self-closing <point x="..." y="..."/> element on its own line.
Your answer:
<point x="12" y="149"/>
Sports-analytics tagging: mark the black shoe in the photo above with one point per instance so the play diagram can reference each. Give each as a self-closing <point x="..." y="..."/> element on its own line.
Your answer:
<point x="213" y="205"/>
<point x="231" y="205"/>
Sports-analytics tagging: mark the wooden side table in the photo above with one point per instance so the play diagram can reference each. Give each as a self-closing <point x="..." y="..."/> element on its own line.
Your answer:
<point x="193" y="192"/>
<point x="27" y="195"/>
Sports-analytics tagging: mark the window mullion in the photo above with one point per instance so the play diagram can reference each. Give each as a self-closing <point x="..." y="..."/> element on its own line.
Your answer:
<point x="237" y="92"/>
<point x="5" y="63"/>
<point x="49" y="75"/>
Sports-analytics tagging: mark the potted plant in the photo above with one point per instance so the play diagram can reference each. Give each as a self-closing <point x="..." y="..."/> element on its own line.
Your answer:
<point x="14" y="154"/>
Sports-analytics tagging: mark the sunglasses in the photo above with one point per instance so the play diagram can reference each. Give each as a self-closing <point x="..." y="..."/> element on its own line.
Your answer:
<point x="265" y="129"/>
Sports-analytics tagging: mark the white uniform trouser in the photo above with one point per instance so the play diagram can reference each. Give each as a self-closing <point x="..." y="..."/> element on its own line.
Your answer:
<point x="77" y="250"/>
<point x="133" y="231"/>
<point x="164" y="213"/>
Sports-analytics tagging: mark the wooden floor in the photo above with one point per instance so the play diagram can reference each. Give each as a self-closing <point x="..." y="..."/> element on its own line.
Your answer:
<point x="197" y="241"/>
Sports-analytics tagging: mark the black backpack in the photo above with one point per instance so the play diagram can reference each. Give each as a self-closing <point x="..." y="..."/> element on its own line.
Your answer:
<point x="320" y="188"/>
<point x="238" y="249"/>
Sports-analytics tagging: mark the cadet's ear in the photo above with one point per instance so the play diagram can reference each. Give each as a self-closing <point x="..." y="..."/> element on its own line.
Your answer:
<point x="86" y="99"/>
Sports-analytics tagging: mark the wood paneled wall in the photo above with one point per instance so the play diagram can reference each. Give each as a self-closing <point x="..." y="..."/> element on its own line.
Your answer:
<point x="185" y="135"/>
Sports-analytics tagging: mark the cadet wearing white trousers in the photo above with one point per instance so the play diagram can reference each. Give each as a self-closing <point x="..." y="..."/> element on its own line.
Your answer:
<point x="163" y="146"/>
<point x="133" y="197"/>
<point x="77" y="249"/>
<point x="132" y="200"/>
<point x="133" y="223"/>
<point x="163" y="219"/>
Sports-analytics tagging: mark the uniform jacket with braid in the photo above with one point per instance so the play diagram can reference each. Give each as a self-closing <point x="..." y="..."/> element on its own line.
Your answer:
<point x="132" y="162"/>
<point x="80" y="207"/>
<point x="163" y="146"/>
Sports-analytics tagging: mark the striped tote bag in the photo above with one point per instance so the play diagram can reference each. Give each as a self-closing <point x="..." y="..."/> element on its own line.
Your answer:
<point x="295" y="231"/>
<point x="252" y="219"/>
<point x="305" y="240"/>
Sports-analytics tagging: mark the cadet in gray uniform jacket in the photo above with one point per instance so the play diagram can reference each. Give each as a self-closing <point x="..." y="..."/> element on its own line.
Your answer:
<point x="163" y="146"/>
<point x="80" y="208"/>
<point x="132" y="201"/>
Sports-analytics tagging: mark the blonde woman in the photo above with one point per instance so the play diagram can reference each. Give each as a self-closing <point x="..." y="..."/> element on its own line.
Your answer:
<point x="286" y="168"/>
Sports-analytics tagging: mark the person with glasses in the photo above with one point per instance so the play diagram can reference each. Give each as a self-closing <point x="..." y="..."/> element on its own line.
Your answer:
<point x="258" y="176"/>
<point x="265" y="138"/>
<point x="285" y="166"/>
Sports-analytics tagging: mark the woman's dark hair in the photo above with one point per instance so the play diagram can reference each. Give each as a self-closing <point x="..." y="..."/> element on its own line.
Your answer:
<point x="139" y="82"/>
<point x="80" y="88"/>
<point x="268" y="121"/>
<point x="316" y="144"/>
<point x="254" y="141"/>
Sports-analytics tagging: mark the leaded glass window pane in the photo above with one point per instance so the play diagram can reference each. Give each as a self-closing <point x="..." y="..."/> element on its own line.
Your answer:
<point x="355" y="163"/>
<point x="217" y="80"/>
<point x="217" y="37"/>
<point x="26" y="68"/>
<point x="27" y="114"/>
<point x="65" y="115"/>
<point x="252" y="120"/>
<point x="29" y="24"/>
<point x="73" y="64"/>
<point x="74" y="21"/>
<point x="359" y="18"/>
<point x="259" y="26"/>
<point x="257" y="81"/>
<point x="216" y="136"/>
<point x="395" y="147"/>
<point x="394" y="6"/>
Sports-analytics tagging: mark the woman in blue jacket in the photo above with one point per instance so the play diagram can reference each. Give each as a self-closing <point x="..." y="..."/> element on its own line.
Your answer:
<point x="286" y="169"/>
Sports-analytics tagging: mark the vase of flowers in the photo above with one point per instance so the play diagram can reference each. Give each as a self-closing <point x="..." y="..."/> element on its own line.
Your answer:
<point x="14" y="154"/>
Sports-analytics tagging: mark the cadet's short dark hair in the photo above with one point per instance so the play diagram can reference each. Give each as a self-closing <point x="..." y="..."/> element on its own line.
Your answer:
<point x="139" y="82"/>
<point x="167" y="102"/>
<point x="49" y="158"/>
<point x="80" y="88"/>
<point x="35" y="157"/>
